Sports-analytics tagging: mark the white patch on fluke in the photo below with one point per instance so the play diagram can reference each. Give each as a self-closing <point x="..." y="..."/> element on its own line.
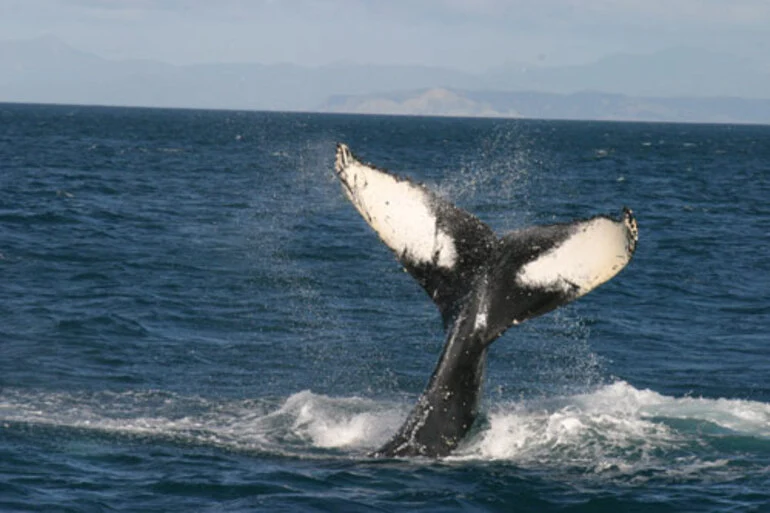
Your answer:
<point x="480" y="323"/>
<point x="398" y="210"/>
<point x="596" y="251"/>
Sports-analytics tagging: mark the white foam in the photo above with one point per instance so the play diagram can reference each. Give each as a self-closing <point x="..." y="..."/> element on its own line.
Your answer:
<point x="303" y="422"/>
<point x="580" y="430"/>
<point x="340" y="423"/>
<point x="617" y="429"/>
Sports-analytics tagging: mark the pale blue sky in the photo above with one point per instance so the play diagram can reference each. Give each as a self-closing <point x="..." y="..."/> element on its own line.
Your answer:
<point x="462" y="34"/>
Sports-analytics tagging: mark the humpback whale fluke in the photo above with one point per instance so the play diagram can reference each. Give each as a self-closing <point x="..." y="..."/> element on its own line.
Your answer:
<point x="481" y="283"/>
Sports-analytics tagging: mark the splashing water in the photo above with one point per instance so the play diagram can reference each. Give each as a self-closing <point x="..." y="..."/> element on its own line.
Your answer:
<point x="614" y="430"/>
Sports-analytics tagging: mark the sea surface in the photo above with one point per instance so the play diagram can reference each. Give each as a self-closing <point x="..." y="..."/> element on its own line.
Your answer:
<point x="194" y="318"/>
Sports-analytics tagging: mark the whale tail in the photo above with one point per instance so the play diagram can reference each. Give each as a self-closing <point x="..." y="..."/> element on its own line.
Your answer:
<point x="482" y="284"/>
<point x="451" y="253"/>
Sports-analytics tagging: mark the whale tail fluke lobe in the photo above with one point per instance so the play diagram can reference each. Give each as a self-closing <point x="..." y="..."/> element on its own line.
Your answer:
<point x="443" y="247"/>
<point x="482" y="284"/>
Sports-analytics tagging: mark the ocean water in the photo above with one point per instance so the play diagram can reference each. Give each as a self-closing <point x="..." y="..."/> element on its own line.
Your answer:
<point x="194" y="318"/>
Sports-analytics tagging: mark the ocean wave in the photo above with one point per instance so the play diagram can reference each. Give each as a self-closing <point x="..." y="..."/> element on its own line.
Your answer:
<point x="614" y="430"/>
<point x="620" y="430"/>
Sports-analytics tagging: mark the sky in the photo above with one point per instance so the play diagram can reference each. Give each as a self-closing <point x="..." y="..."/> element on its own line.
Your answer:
<point x="471" y="35"/>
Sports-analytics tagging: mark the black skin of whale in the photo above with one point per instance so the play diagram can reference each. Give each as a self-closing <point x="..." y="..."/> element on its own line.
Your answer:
<point x="484" y="277"/>
<point x="449" y="405"/>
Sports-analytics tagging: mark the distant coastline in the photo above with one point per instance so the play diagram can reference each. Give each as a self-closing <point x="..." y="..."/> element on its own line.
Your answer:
<point x="533" y="105"/>
<point x="366" y="110"/>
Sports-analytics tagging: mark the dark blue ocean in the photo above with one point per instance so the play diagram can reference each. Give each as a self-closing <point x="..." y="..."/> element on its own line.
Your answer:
<point x="194" y="318"/>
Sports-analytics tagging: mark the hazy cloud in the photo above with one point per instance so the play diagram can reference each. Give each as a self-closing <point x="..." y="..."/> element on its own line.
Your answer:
<point x="468" y="34"/>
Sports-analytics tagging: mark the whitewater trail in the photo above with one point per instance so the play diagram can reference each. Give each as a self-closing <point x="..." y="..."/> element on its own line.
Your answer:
<point x="616" y="429"/>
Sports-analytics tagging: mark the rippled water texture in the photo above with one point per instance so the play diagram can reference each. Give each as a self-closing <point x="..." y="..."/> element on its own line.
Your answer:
<point x="194" y="318"/>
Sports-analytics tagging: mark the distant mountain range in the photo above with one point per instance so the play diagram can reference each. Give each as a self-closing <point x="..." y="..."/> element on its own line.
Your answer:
<point x="584" y="105"/>
<point x="679" y="84"/>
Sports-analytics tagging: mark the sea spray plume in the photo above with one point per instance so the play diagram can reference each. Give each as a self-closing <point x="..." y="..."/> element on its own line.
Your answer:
<point x="481" y="283"/>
